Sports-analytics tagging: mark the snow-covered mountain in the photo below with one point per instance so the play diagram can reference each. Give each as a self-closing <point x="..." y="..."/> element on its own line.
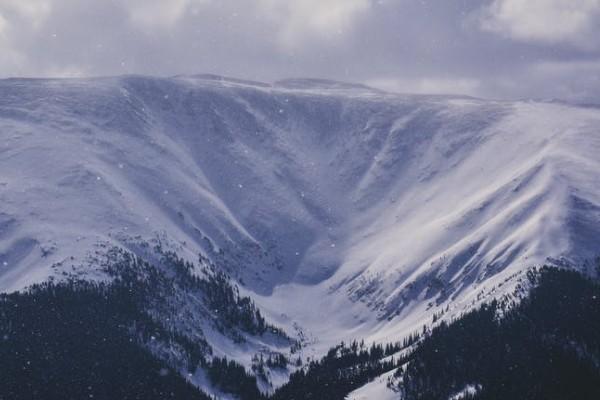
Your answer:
<point x="343" y="211"/>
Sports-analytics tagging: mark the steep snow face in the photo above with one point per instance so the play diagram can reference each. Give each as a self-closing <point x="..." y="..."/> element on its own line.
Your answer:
<point x="377" y="389"/>
<point x="326" y="200"/>
<point x="481" y="198"/>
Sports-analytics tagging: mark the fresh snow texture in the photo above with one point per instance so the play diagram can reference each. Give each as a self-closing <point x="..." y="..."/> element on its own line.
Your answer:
<point x="343" y="211"/>
<point x="377" y="389"/>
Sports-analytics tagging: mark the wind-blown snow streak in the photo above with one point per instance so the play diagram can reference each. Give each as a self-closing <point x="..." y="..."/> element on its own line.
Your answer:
<point x="327" y="200"/>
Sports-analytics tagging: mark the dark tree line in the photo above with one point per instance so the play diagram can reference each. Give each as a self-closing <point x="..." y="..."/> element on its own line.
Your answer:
<point x="344" y="369"/>
<point x="231" y="377"/>
<point x="73" y="341"/>
<point x="78" y="339"/>
<point x="232" y="310"/>
<point x="546" y="347"/>
<point x="75" y="335"/>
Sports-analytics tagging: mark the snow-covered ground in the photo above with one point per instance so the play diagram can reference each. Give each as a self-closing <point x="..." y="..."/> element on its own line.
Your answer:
<point x="376" y="389"/>
<point x="345" y="212"/>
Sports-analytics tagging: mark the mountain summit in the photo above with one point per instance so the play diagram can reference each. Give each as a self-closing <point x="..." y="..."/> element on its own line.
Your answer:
<point x="338" y="208"/>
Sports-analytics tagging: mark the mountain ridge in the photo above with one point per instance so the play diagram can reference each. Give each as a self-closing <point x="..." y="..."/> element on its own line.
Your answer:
<point x="375" y="209"/>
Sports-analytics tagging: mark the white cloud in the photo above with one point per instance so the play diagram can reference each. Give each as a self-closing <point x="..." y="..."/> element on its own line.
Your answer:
<point x="397" y="45"/>
<point x="294" y="22"/>
<point x="8" y="54"/>
<point x="3" y="25"/>
<point x="34" y="12"/>
<point x="158" y="13"/>
<point x="299" y="21"/>
<point x="550" y="21"/>
<point x="15" y="14"/>
<point x="433" y="85"/>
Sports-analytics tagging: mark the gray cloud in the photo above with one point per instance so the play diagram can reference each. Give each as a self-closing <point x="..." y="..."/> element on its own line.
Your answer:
<point x="489" y="48"/>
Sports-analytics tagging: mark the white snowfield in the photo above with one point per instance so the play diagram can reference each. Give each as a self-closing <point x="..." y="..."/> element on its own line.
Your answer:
<point x="344" y="211"/>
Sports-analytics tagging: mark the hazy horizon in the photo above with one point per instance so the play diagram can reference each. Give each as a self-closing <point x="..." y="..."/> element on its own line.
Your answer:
<point x="505" y="49"/>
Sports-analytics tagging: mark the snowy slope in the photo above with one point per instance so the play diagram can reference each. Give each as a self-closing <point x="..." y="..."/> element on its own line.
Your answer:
<point x="344" y="211"/>
<point x="377" y="389"/>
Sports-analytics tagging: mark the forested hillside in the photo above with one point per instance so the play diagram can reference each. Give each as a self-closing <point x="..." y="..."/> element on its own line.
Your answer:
<point x="78" y="339"/>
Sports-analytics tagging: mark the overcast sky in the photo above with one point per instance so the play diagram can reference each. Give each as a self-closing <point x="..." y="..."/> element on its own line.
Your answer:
<point x="487" y="48"/>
